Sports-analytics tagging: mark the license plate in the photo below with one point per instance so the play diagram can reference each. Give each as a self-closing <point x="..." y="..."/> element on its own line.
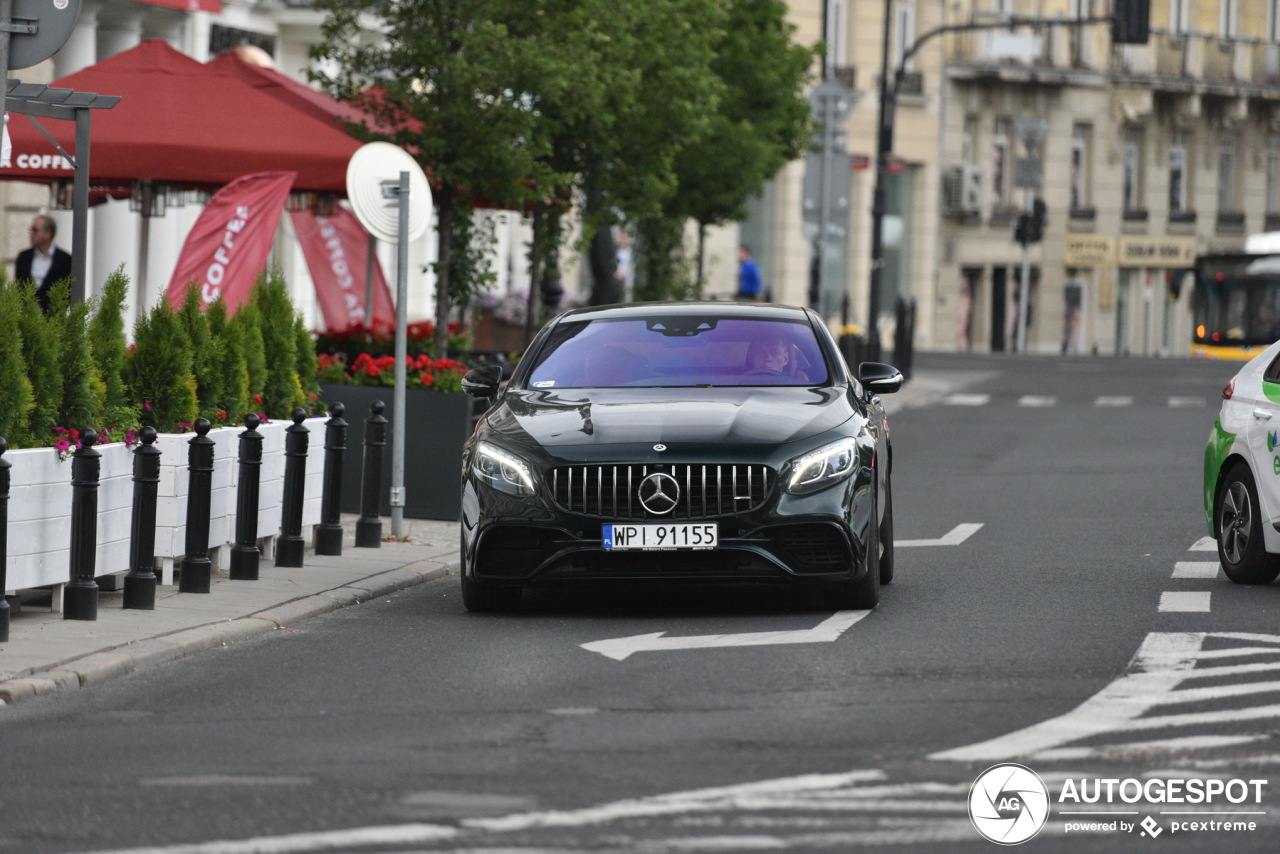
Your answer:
<point x="694" y="536"/>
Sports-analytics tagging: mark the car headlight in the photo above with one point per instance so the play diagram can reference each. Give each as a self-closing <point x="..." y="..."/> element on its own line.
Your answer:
<point x="824" y="467"/>
<point x="502" y="471"/>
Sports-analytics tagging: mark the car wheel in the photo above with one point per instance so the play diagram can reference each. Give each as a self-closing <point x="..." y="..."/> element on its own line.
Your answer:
<point x="886" y="536"/>
<point x="1241" y="551"/>
<point x="863" y="594"/>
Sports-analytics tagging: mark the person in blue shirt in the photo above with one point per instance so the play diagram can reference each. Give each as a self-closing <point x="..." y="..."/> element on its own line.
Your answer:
<point x="750" y="287"/>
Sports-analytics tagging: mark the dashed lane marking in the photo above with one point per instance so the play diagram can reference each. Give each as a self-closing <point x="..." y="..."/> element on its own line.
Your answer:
<point x="1195" y="569"/>
<point x="1113" y="401"/>
<point x="1180" y="602"/>
<point x="1036" y="401"/>
<point x="967" y="399"/>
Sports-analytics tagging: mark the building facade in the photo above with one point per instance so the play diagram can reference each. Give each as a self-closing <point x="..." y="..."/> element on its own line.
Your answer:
<point x="1152" y="153"/>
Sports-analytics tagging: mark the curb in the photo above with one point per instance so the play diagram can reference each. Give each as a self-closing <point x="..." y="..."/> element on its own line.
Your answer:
<point x="97" y="667"/>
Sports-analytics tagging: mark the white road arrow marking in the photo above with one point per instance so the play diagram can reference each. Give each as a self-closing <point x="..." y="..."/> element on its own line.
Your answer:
<point x="955" y="537"/>
<point x="827" y="631"/>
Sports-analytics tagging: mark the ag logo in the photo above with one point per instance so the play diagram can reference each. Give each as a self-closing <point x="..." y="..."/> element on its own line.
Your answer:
<point x="1008" y="804"/>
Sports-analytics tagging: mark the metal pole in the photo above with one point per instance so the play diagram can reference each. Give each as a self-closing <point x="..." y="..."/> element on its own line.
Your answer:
<point x="80" y="210"/>
<point x="884" y="147"/>
<point x="245" y="554"/>
<point x="1024" y="287"/>
<point x="140" y="583"/>
<point x="397" y="400"/>
<point x="370" y="257"/>
<point x="369" y="527"/>
<point x="329" y="531"/>
<point x="290" y="546"/>
<point x="80" y="597"/>
<point x="195" y="575"/>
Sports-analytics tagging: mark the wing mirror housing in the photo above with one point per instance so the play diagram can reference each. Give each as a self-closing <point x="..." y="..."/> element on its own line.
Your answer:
<point x="483" y="381"/>
<point x="877" y="378"/>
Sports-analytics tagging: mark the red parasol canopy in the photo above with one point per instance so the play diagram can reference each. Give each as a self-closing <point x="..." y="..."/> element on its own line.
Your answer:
<point x="181" y="122"/>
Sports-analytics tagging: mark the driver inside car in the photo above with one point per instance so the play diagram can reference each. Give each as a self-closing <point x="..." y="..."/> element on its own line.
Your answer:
<point x="772" y="356"/>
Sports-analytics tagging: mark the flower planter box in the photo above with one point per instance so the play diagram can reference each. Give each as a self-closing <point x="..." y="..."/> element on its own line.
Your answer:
<point x="489" y="334"/>
<point x="437" y="424"/>
<point x="39" y="532"/>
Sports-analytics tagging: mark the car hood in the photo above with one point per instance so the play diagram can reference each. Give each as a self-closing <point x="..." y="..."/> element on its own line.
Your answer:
<point x="675" y="417"/>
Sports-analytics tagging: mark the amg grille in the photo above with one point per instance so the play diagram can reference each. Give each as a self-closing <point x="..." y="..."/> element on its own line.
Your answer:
<point x="613" y="492"/>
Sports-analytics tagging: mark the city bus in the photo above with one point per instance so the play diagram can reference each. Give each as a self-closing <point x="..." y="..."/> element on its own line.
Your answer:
<point x="1236" y="307"/>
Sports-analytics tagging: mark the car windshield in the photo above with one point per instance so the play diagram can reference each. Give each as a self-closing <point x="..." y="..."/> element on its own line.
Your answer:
<point x="680" y="351"/>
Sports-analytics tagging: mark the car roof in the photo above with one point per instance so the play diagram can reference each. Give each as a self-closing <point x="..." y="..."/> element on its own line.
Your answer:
<point x="688" y="308"/>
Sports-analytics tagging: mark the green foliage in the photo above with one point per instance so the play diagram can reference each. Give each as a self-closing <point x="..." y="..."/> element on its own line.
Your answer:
<point x="281" y="391"/>
<point x="16" y="398"/>
<point x="762" y="117"/>
<point x="41" y="346"/>
<point x="83" y="391"/>
<point x="662" y="265"/>
<point x="305" y="357"/>
<point x="107" y="343"/>
<point x="234" y="403"/>
<point x="159" y="370"/>
<point x="245" y="328"/>
<point x="206" y="355"/>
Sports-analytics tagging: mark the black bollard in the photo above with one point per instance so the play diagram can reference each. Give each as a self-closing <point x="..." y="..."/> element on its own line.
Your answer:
<point x="245" y="553"/>
<point x="369" y="526"/>
<point x="329" y="531"/>
<point x="80" y="597"/>
<point x="290" y="546"/>
<point x="4" y="539"/>
<point x="140" y="583"/>
<point x="194" y="575"/>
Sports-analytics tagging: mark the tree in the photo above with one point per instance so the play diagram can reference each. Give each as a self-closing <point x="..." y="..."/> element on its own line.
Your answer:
<point x="442" y="81"/>
<point x="107" y="341"/>
<point x="16" y="399"/>
<point x="761" y="123"/>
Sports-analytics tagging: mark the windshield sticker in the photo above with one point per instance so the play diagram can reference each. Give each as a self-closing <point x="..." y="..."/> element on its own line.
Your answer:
<point x="544" y="384"/>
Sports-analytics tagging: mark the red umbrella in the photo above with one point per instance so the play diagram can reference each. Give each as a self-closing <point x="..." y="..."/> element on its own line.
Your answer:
<point x="180" y="122"/>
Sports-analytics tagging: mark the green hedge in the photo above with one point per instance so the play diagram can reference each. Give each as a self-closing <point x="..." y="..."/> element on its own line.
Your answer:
<point x="73" y="369"/>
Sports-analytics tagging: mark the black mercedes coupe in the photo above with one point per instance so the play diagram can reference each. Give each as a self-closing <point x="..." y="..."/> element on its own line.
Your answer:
<point x="691" y="441"/>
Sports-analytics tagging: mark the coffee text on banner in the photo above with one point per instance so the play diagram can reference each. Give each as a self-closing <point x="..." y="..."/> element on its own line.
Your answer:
<point x="336" y="247"/>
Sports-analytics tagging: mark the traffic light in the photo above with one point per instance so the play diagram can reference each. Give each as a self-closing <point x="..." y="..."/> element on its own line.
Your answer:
<point x="1131" y="22"/>
<point x="1030" y="226"/>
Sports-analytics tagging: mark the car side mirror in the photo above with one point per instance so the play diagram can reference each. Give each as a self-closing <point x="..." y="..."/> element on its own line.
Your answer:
<point x="879" y="378"/>
<point x="483" y="381"/>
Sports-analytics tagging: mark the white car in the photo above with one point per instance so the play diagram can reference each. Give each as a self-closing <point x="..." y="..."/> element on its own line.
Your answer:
<point x="1242" y="472"/>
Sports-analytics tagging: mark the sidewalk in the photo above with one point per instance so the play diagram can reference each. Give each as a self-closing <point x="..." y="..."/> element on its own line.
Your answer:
<point x="48" y="653"/>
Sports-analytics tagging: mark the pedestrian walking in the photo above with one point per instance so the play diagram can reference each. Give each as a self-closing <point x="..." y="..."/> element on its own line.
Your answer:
<point x="750" y="288"/>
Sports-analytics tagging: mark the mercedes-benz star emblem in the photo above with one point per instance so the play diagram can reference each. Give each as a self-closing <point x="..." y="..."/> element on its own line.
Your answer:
<point x="659" y="447"/>
<point x="659" y="493"/>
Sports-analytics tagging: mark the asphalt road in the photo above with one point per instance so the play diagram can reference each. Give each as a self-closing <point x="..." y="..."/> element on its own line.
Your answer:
<point x="407" y="724"/>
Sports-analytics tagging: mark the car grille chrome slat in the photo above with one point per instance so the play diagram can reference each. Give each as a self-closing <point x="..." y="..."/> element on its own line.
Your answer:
<point x="599" y="490"/>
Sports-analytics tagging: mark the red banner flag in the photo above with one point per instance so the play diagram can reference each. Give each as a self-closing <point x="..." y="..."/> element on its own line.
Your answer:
<point x="228" y="246"/>
<point x="337" y="251"/>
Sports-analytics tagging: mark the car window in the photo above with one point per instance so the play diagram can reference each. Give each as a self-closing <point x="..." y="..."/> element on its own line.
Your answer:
<point x="1272" y="374"/>
<point x="679" y="351"/>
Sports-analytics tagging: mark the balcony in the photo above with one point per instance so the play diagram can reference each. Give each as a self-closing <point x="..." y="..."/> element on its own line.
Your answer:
<point x="1231" y="222"/>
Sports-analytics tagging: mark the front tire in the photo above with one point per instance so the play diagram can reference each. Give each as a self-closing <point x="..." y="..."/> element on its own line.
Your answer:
<point x="886" y="536"/>
<point x="1238" y="522"/>
<point x="863" y="594"/>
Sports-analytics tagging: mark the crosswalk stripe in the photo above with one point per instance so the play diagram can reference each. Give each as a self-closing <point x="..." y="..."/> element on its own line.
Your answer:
<point x="1113" y="401"/>
<point x="1186" y="402"/>
<point x="1037" y="401"/>
<point x="1182" y="602"/>
<point x="1195" y="569"/>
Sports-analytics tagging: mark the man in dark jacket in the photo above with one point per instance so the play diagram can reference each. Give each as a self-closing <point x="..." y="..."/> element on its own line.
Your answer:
<point x="43" y="263"/>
